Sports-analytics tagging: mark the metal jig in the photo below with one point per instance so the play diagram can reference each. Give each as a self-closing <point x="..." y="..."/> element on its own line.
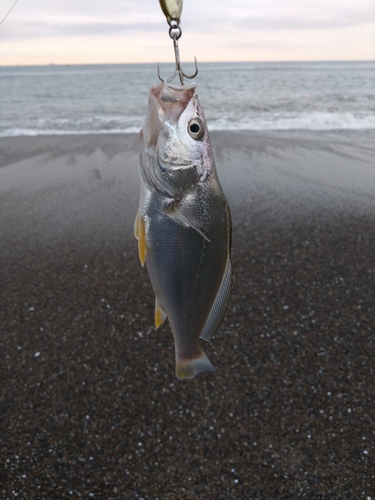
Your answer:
<point x="172" y="9"/>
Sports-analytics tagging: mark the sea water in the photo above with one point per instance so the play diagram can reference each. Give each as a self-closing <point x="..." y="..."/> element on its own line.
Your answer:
<point x="80" y="99"/>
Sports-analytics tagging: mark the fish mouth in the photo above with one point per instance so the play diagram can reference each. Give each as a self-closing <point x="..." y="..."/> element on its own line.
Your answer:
<point x="172" y="93"/>
<point x="172" y="100"/>
<point x="166" y="104"/>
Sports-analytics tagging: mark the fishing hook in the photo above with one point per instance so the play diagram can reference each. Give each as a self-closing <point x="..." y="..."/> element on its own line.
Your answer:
<point x="175" y="33"/>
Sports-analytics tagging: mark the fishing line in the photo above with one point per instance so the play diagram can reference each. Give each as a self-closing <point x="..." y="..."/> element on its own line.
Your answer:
<point x="10" y="10"/>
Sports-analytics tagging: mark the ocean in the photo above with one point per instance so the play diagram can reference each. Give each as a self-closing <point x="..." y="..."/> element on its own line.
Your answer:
<point x="78" y="99"/>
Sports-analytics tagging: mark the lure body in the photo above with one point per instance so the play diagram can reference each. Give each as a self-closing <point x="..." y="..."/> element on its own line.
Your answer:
<point x="172" y="9"/>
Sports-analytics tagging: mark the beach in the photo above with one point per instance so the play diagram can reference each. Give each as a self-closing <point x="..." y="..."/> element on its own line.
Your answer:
<point x="90" y="405"/>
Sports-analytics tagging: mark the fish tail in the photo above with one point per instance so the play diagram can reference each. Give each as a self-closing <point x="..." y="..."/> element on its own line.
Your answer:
<point x="189" y="368"/>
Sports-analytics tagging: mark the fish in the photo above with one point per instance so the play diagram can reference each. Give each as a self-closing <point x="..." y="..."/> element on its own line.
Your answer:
<point x="183" y="225"/>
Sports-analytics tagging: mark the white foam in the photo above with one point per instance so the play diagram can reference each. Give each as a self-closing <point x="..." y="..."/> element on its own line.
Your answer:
<point x="133" y="124"/>
<point x="16" y="132"/>
<point x="75" y="126"/>
<point x="302" y="121"/>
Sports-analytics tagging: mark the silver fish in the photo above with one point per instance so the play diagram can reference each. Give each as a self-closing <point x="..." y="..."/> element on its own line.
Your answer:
<point x="183" y="225"/>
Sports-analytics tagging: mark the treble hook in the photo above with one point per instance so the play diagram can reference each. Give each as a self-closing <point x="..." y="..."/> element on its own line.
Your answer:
<point x="175" y="33"/>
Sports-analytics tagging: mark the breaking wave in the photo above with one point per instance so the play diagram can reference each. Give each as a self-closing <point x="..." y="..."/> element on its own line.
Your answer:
<point x="132" y="124"/>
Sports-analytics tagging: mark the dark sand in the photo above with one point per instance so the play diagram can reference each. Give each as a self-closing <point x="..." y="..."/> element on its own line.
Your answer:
<point x="90" y="406"/>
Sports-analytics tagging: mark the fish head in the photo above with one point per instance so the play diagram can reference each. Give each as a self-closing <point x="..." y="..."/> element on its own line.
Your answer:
<point x="176" y="134"/>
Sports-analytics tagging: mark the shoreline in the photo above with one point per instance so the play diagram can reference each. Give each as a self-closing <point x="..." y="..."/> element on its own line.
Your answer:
<point x="86" y="187"/>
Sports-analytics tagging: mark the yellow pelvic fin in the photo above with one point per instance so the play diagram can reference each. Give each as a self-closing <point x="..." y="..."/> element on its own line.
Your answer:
<point x="136" y="225"/>
<point x="159" y="315"/>
<point x="139" y="233"/>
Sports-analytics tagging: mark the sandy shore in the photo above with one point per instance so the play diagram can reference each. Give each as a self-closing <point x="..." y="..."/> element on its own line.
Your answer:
<point x="90" y="406"/>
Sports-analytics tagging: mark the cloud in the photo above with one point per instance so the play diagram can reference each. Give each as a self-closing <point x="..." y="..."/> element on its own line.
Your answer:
<point x="136" y="30"/>
<point x="73" y="29"/>
<point x="341" y="19"/>
<point x="113" y="17"/>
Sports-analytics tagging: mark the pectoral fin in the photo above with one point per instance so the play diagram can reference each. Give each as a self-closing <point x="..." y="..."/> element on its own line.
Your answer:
<point x="160" y="315"/>
<point x="175" y="213"/>
<point x="139" y="233"/>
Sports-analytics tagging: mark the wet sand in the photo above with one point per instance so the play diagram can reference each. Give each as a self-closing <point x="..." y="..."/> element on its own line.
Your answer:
<point x="90" y="406"/>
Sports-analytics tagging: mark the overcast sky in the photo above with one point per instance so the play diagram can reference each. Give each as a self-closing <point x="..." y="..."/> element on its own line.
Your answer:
<point x="121" y="31"/>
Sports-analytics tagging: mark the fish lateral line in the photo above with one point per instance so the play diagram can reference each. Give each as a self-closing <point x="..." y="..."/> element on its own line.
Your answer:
<point x="174" y="213"/>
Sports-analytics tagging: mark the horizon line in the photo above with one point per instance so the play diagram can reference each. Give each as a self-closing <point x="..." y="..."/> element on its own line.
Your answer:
<point x="201" y="62"/>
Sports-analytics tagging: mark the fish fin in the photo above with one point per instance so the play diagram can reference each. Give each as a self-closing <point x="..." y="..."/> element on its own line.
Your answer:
<point x="139" y="233"/>
<point x="219" y="305"/>
<point x="160" y="315"/>
<point x="175" y="213"/>
<point x="136" y="225"/>
<point x="188" y="369"/>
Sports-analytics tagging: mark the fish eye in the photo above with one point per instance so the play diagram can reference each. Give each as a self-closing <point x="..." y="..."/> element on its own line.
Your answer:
<point x="196" y="128"/>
